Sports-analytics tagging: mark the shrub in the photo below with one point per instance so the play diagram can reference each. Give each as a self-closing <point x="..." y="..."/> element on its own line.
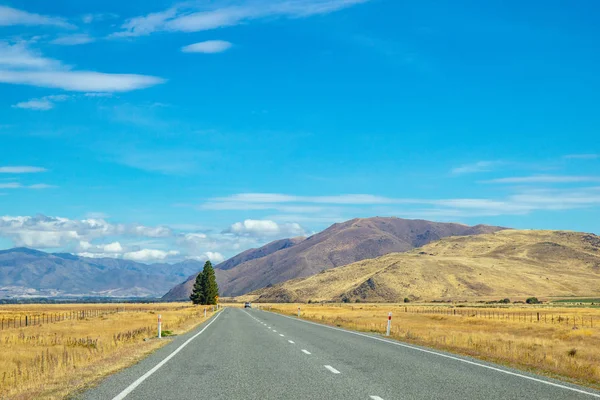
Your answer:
<point x="406" y="300"/>
<point x="532" y="300"/>
<point x="505" y="301"/>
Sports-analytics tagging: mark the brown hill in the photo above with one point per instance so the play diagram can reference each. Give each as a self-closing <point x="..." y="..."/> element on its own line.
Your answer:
<point x="340" y="244"/>
<point x="182" y="291"/>
<point x="508" y="263"/>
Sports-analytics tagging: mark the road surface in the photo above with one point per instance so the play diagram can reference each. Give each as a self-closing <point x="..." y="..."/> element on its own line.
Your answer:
<point x="254" y="354"/>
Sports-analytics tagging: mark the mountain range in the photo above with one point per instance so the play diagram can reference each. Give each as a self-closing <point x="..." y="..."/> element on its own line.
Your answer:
<point x="341" y="244"/>
<point x="30" y="273"/>
<point x="508" y="263"/>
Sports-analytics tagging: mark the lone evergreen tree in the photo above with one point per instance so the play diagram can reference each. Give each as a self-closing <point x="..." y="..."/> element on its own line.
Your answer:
<point x="197" y="295"/>
<point x="209" y="284"/>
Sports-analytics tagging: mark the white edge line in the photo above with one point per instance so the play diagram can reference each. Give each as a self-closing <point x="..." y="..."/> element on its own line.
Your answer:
<point x="291" y="341"/>
<point x="306" y="351"/>
<point x="335" y="371"/>
<point x="448" y="356"/>
<point x="281" y="334"/>
<point x="142" y="378"/>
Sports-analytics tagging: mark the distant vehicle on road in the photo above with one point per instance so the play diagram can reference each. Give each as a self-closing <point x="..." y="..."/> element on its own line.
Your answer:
<point x="247" y="305"/>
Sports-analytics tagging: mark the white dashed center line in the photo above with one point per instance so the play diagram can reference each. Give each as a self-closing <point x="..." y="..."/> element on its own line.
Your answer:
<point x="291" y="341"/>
<point x="305" y="351"/>
<point x="375" y="397"/>
<point x="333" y="370"/>
<point x="274" y="331"/>
<point x="281" y="335"/>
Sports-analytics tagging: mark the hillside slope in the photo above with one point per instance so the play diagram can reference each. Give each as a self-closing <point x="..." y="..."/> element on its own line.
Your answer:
<point x="26" y="272"/>
<point x="508" y="263"/>
<point x="340" y="244"/>
<point x="183" y="290"/>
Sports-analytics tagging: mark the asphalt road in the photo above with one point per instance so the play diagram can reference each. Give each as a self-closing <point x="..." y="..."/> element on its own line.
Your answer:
<point x="253" y="354"/>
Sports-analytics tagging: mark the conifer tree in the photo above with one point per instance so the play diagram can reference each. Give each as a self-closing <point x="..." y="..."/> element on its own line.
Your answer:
<point x="197" y="295"/>
<point x="209" y="284"/>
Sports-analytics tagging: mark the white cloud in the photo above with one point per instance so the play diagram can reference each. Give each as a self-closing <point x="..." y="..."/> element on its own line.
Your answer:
<point x="32" y="231"/>
<point x="98" y="94"/>
<point x="546" y="179"/>
<point x="21" y="169"/>
<point x="214" y="257"/>
<point x="73" y="40"/>
<point x="114" y="248"/>
<point x="12" y="16"/>
<point x="89" y="18"/>
<point x="10" y="185"/>
<point x="147" y="255"/>
<point x="39" y="186"/>
<point x="209" y="47"/>
<point x="42" y="104"/>
<point x="480" y="166"/>
<point x="17" y="185"/>
<point x="153" y="232"/>
<point x="23" y="66"/>
<point x="196" y="17"/>
<point x="265" y="228"/>
<point x="80" y="81"/>
<point x="18" y="55"/>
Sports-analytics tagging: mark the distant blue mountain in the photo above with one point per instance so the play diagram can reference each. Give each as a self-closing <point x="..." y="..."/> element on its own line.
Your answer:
<point x="27" y="272"/>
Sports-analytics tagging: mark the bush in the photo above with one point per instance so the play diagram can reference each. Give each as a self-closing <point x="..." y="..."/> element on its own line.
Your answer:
<point x="532" y="300"/>
<point x="357" y="301"/>
<point x="505" y="301"/>
<point x="406" y="300"/>
<point x="345" y="299"/>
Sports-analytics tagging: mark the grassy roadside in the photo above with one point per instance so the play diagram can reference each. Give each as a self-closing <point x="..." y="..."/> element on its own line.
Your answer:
<point x="54" y="360"/>
<point x="558" y="351"/>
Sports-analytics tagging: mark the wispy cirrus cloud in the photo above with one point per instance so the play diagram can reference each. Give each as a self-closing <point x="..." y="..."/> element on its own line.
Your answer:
<point x="17" y="185"/>
<point x="42" y="104"/>
<point x="202" y="16"/>
<point x="546" y="179"/>
<point x="23" y="66"/>
<point x="480" y="166"/>
<point x="21" y="169"/>
<point x="207" y="47"/>
<point x="11" y="16"/>
<point x="522" y="201"/>
<point x="73" y="40"/>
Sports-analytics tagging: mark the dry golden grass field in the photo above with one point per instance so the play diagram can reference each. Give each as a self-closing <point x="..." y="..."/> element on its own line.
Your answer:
<point x="51" y="360"/>
<point x="510" y="335"/>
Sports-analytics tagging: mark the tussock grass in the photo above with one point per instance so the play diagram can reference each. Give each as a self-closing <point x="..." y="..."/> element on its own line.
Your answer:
<point x="53" y="360"/>
<point x="556" y="350"/>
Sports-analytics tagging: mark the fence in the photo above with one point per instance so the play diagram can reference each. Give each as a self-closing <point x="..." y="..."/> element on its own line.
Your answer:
<point x="22" y="321"/>
<point x="515" y="316"/>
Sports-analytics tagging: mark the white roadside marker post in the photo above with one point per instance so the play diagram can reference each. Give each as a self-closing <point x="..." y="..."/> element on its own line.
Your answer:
<point x="204" y="312"/>
<point x="298" y="312"/>
<point x="159" y="326"/>
<point x="387" y="332"/>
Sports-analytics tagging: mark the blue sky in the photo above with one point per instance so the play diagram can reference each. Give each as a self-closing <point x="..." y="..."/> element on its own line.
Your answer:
<point x="158" y="131"/>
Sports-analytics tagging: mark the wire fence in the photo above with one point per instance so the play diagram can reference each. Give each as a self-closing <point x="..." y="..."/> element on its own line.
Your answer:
<point x="31" y="319"/>
<point x="546" y="317"/>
